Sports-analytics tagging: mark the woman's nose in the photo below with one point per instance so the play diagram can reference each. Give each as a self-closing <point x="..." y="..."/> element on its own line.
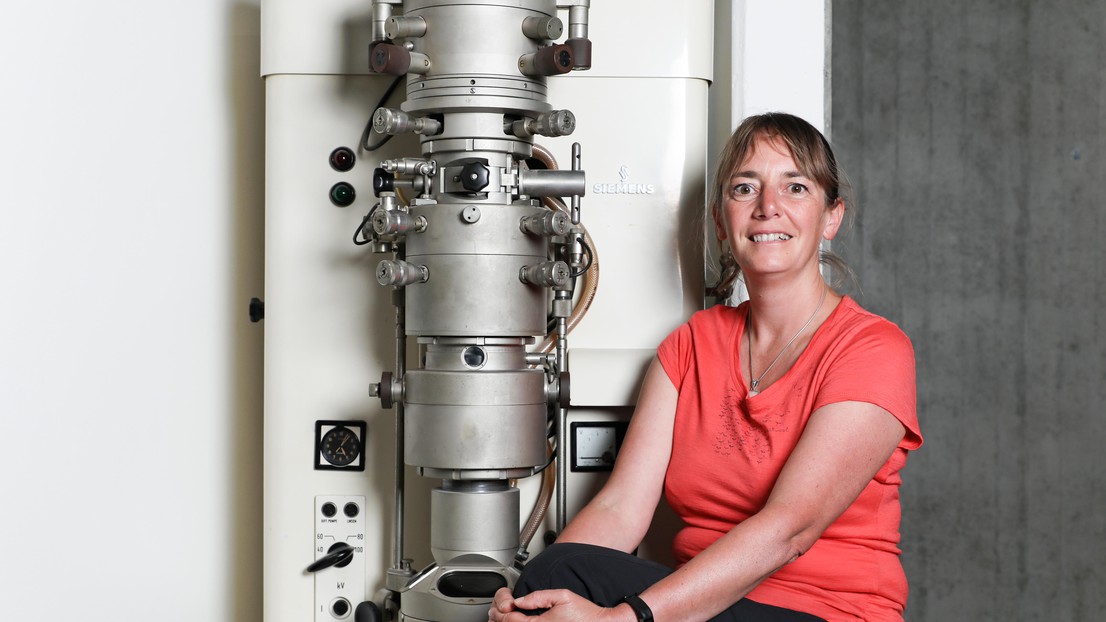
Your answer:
<point x="766" y="206"/>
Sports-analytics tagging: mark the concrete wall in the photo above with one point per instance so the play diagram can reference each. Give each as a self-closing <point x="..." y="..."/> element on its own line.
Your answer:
<point x="975" y="133"/>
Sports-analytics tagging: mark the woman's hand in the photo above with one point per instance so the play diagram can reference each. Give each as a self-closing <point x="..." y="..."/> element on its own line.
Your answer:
<point x="503" y="603"/>
<point x="560" y="606"/>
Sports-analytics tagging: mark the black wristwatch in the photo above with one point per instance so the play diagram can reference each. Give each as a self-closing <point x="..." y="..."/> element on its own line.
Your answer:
<point x="641" y="610"/>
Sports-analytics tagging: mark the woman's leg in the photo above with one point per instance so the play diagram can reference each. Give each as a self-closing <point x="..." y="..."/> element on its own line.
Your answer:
<point x="606" y="576"/>
<point x="603" y="576"/>
<point x="746" y="610"/>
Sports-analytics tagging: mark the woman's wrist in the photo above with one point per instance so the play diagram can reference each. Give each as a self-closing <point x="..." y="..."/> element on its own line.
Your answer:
<point x="621" y="612"/>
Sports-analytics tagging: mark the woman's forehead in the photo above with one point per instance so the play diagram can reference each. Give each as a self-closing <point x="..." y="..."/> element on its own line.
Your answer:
<point x="767" y="148"/>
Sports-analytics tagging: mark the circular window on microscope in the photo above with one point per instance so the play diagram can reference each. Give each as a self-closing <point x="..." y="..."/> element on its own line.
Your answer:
<point x="474" y="357"/>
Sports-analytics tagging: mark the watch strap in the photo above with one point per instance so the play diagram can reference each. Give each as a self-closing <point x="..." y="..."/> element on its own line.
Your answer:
<point x="641" y="610"/>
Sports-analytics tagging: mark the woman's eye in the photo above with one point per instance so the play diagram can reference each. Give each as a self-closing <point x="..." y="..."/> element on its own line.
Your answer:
<point x="743" y="190"/>
<point x="795" y="188"/>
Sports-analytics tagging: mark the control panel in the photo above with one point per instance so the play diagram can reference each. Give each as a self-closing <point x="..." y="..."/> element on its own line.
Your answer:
<point x="339" y="540"/>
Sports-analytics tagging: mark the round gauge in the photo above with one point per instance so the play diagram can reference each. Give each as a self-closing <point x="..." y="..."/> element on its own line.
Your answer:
<point x="340" y="446"/>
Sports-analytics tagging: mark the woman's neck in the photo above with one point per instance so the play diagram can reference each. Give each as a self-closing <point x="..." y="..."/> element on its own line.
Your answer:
<point x="779" y="307"/>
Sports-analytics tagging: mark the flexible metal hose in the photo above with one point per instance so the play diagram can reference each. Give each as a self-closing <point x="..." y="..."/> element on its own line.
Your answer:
<point x="589" y="286"/>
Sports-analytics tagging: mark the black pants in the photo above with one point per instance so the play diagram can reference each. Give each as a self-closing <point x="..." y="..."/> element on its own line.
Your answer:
<point x="605" y="576"/>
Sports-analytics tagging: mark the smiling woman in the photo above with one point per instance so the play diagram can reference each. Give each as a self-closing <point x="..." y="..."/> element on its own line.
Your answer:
<point x="813" y="167"/>
<point x="775" y="215"/>
<point x="775" y="429"/>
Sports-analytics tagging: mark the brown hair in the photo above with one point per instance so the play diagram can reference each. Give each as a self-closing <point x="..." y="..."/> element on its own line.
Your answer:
<point x="812" y="154"/>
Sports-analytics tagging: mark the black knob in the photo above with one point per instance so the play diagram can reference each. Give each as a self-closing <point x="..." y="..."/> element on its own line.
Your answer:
<point x="383" y="181"/>
<point x="389" y="58"/>
<point x="474" y="177"/>
<point x="340" y="554"/>
<point x="257" y="310"/>
<point x="367" y="612"/>
<point x="386" y="396"/>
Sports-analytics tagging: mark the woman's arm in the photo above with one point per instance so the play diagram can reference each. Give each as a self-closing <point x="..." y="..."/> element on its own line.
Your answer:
<point x="842" y="448"/>
<point x="620" y="514"/>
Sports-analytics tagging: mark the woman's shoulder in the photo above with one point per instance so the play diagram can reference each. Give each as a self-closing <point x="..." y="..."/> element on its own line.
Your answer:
<point x="720" y="315"/>
<point x="854" y="322"/>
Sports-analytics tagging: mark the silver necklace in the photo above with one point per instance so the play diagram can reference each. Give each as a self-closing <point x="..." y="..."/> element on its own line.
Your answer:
<point x="755" y="382"/>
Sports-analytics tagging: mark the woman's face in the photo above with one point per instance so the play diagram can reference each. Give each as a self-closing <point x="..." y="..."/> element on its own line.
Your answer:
<point x="773" y="216"/>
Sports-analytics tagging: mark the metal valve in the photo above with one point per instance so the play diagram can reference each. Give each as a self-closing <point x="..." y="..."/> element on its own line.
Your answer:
<point x="547" y="224"/>
<point x="548" y="274"/>
<point x="410" y="166"/>
<point x="391" y="121"/>
<point x="391" y="222"/>
<point x="400" y="273"/>
<point x="553" y="123"/>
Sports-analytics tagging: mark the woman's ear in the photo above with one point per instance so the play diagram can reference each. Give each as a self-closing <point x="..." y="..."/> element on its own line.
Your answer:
<point x="834" y="216"/>
<point x="719" y="224"/>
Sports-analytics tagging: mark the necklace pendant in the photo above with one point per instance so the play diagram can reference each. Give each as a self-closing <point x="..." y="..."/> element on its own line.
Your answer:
<point x="753" y="386"/>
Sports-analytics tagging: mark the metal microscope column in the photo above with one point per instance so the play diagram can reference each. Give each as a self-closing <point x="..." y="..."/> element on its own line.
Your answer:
<point x="476" y="280"/>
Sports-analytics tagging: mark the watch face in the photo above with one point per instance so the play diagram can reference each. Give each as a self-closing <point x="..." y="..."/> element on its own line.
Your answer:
<point x="340" y="446"/>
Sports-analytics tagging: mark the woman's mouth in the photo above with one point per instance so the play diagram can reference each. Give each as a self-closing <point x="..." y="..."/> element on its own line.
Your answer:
<point x="770" y="237"/>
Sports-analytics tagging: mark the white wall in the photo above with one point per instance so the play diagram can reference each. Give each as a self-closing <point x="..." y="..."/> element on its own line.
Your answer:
<point x="779" y="59"/>
<point x="130" y="243"/>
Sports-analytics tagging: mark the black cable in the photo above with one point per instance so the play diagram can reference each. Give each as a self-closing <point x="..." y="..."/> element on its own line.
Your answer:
<point x="365" y="145"/>
<point x="552" y="457"/>
<point x="591" y="258"/>
<point x="361" y="229"/>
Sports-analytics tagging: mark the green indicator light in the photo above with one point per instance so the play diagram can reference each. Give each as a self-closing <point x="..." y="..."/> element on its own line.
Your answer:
<point x="342" y="194"/>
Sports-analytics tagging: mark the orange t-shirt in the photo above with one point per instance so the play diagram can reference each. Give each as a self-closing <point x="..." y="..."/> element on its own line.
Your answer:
<point x="728" y="449"/>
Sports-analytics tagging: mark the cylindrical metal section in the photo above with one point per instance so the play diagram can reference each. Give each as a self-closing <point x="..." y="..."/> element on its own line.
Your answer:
<point x="545" y="28"/>
<point x="389" y="58"/>
<point x="548" y="274"/>
<point x="404" y="26"/>
<point x="471" y="520"/>
<point x="548" y="224"/>
<point x="475" y="420"/>
<point x="400" y="273"/>
<point x="578" y="20"/>
<point x="476" y="295"/>
<point x="542" y="183"/>
<point x="475" y="289"/>
<point x="475" y="50"/>
<point x="548" y="61"/>
<point x="394" y="221"/>
<point x="578" y="34"/>
<point x="555" y="123"/>
<point x="581" y="53"/>
<point x="390" y="121"/>
<point x="381" y="12"/>
<point x="499" y="439"/>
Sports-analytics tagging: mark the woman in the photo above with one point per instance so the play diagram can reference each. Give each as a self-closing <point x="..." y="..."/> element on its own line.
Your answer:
<point x="776" y="430"/>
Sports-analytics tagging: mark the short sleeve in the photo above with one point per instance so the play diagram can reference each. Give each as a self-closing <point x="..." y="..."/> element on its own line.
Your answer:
<point x="875" y="364"/>
<point x="674" y="354"/>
